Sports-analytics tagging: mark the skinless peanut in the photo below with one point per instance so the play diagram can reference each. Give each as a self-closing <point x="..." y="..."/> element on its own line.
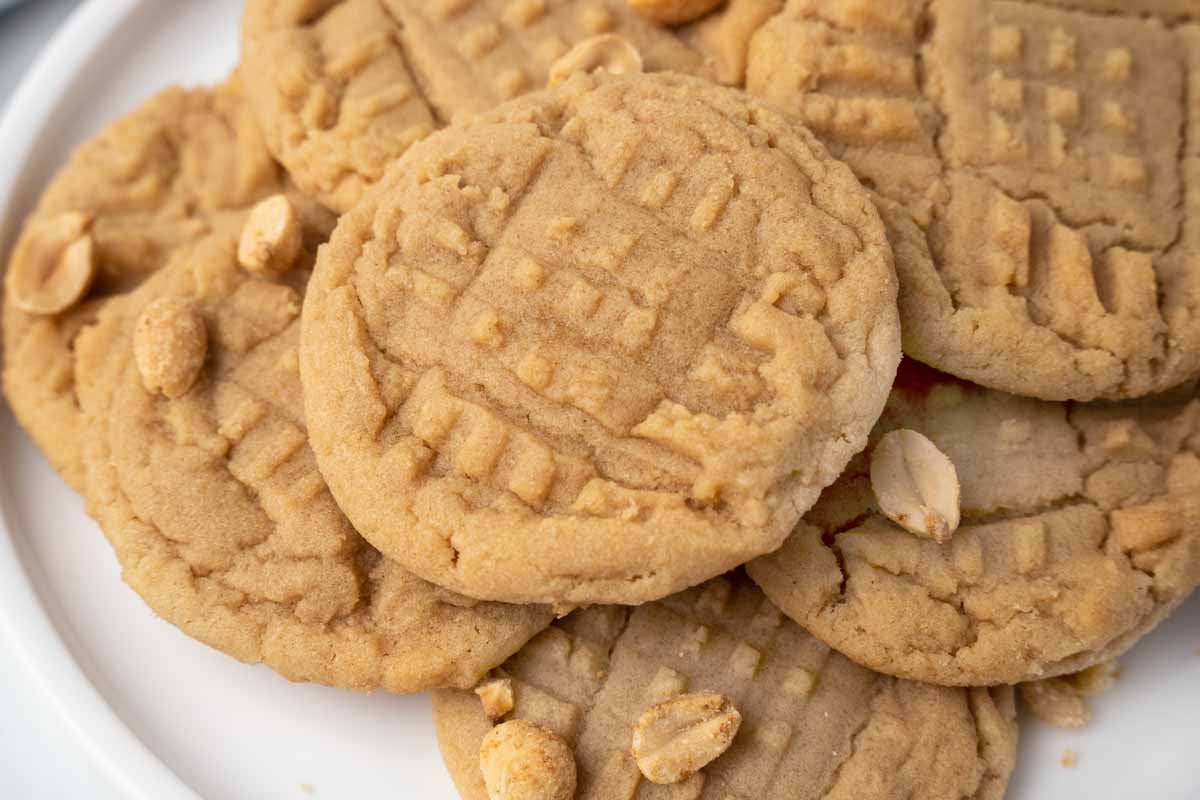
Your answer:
<point x="272" y="237"/>
<point x="916" y="485"/>
<point x="607" y="52"/>
<point x="54" y="265"/>
<point x="673" y="12"/>
<point x="677" y="738"/>
<point x="523" y="761"/>
<point x="170" y="343"/>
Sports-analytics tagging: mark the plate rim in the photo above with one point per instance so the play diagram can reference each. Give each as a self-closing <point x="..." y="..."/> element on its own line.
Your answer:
<point x="28" y="628"/>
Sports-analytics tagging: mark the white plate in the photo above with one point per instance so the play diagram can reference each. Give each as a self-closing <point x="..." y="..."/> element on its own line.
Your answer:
<point x="166" y="718"/>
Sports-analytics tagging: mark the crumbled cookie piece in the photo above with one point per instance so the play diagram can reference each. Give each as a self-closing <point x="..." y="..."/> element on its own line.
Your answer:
<point x="1062" y="701"/>
<point x="916" y="485"/>
<point x="608" y="52"/>
<point x="54" y="266"/>
<point x="1070" y="759"/>
<point x="170" y="344"/>
<point x="497" y="697"/>
<point x="523" y="761"/>
<point x="1055" y="701"/>
<point x="674" y="12"/>
<point x="272" y="237"/>
<point x="677" y="738"/>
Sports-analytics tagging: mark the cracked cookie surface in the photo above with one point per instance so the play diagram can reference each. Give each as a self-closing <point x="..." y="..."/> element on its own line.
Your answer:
<point x="1080" y="532"/>
<point x="1039" y="168"/>
<point x="332" y="91"/>
<point x="148" y="183"/>
<point x="218" y="516"/>
<point x="814" y="724"/>
<point x="567" y="353"/>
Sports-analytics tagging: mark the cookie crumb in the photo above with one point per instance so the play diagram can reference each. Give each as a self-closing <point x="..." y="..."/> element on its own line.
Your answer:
<point x="1062" y="702"/>
<point x="496" y="696"/>
<point x="1070" y="759"/>
<point x="307" y="788"/>
<point x="678" y="737"/>
<point x="916" y="485"/>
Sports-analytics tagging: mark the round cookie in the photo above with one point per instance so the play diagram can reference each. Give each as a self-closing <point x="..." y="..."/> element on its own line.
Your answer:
<point x="471" y="55"/>
<point x="568" y="353"/>
<point x="1039" y="169"/>
<point x="814" y="724"/>
<point x="1080" y="532"/>
<point x="221" y="522"/>
<point x="332" y="92"/>
<point x="148" y="182"/>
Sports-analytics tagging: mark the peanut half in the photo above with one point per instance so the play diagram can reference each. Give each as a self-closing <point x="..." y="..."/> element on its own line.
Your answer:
<point x="916" y="485"/>
<point x="608" y="52"/>
<point x="54" y="265"/>
<point x="272" y="237"/>
<point x="677" y="738"/>
<point x="170" y="343"/>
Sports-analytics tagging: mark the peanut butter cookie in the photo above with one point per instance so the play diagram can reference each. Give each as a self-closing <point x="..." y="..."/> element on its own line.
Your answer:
<point x="472" y="55"/>
<point x="201" y="477"/>
<point x="1080" y="532"/>
<point x="332" y="92"/>
<point x="600" y="344"/>
<point x="673" y="676"/>
<point x="149" y="182"/>
<point x="1039" y="168"/>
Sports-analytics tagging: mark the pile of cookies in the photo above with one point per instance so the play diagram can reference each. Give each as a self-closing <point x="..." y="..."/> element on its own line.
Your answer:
<point x="547" y="353"/>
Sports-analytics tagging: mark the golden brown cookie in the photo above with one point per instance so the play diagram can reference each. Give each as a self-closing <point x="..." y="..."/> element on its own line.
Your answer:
<point x="568" y="353"/>
<point x="1040" y="169"/>
<point x="1080" y="532"/>
<point x="213" y="504"/>
<point x="152" y="180"/>
<point x="723" y="37"/>
<point x="332" y="92"/>
<point x="814" y="724"/>
<point x="471" y="55"/>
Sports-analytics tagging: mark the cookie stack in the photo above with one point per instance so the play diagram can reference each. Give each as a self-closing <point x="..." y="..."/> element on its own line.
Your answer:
<point x="547" y="353"/>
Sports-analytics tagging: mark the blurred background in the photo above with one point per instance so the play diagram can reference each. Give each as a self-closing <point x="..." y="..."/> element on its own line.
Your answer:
<point x="25" y="25"/>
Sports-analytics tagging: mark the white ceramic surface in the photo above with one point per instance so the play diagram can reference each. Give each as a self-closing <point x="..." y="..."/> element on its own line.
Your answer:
<point x="163" y="717"/>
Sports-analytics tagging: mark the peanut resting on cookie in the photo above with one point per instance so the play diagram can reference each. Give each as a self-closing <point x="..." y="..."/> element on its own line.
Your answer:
<point x="679" y="737"/>
<point x="170" y="343"/>
<point x="54" y="264"/>
<point x="272" y="237"/>
<point x="607" y="52"/>
<point x="916" y="485"/>
<point x="524" y="761"/>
